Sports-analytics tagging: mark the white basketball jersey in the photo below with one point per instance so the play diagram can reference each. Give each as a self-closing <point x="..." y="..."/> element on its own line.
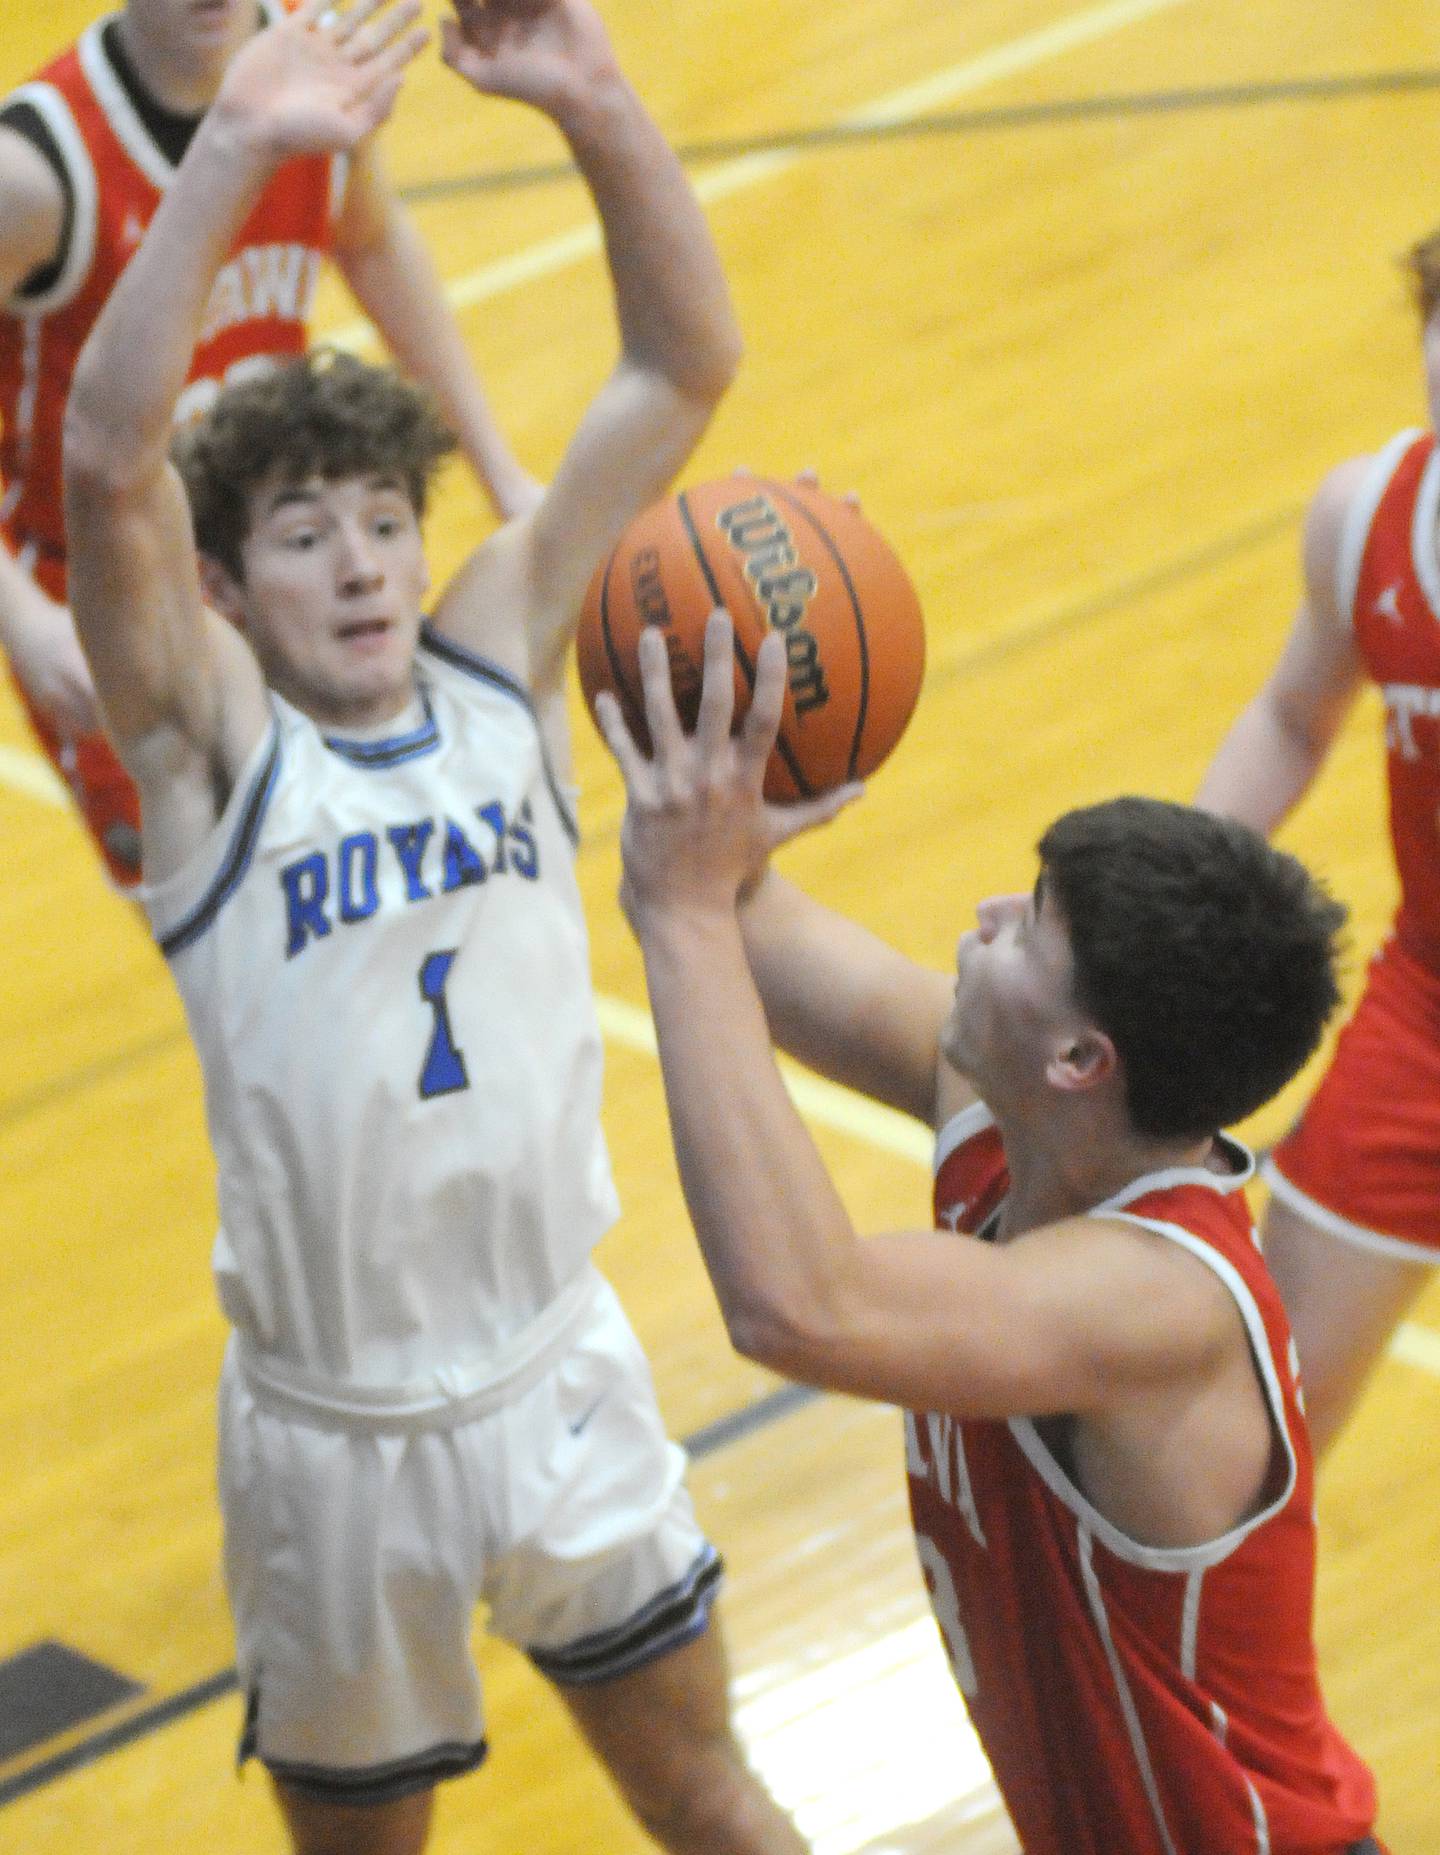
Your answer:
<point x="384" y="964"/>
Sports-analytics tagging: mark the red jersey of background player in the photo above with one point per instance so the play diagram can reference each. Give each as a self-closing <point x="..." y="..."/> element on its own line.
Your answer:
<point x="1159" y="1701"/>
<point x="1390" y="587"/>
<point x="115" y="172"/>
<point x="115" y="153"/>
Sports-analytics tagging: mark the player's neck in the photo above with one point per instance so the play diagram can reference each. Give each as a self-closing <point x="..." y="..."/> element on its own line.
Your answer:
<point x="1059" y="1169"/>
<point x="182" y="79"/>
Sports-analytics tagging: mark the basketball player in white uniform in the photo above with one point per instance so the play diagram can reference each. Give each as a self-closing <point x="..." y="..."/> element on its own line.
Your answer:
<point x="357" y="850"/>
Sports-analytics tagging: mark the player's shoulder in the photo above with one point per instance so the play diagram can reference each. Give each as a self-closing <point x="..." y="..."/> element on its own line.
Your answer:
<point x="32" y="207"/>
<point x="1339" y="516"/>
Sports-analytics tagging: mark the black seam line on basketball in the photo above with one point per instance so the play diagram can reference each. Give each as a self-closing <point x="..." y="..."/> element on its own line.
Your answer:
<point x="782" y="747"/>
<point x="1164" y="578"/>
<point x="863" y="709"/>
<point x="632" y="707"/>
<point x="820" y="137"/>
<point x="703" y="1442"/>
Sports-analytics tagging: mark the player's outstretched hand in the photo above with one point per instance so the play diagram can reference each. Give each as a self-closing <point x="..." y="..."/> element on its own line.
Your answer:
<point x="541" y="52"/>
<point x="697" y="827"/>
<point x="321" y="78"/>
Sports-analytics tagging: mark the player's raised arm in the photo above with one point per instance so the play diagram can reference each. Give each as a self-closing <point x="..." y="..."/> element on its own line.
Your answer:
<point x="679" y="341"/>
<point x="920" y="1319"/>
<point x="182" y="695"/>
<point x="1279" y="741"/>
<point x="389" y="268"/>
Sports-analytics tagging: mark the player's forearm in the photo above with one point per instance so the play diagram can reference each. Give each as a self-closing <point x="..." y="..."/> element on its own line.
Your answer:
<point x="134" y="365"/>
<point x="396" y="284"/>
<point x="671" y="297"/>
<point x="773" y="1232"/>
<point x="1263" y="769"/>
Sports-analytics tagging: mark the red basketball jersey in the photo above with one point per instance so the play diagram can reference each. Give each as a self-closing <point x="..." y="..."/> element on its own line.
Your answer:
<point x="1150" y="1701"/>
<point x="117" y="174"/>
<point x="1390" y="586"/>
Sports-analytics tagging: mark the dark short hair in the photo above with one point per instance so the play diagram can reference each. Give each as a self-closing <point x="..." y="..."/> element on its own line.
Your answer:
<point x="1207" y="956"/>
<point x="323" y="414"/>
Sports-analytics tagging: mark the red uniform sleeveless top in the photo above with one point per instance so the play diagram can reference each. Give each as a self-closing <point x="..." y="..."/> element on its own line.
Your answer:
<point x="118" y="174"/>
<point x="1390" y="587"/>
<point x="1134" y="1700"/>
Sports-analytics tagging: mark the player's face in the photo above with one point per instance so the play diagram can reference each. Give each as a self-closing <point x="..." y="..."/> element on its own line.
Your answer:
<point x="192" y="31"/>
<point x="1013" y="997"/>
<point x="334" y="579"/>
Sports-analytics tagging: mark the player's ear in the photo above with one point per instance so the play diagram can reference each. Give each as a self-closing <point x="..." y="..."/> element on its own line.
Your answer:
<point x="222" y="590"/>
<point x="1084" y="1058"/>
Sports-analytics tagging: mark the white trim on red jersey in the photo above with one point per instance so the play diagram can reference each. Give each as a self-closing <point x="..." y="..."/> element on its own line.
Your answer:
<point x="1422" y="530"/>
<point x="1355" y="533"/>
<point x="54" y="112"/>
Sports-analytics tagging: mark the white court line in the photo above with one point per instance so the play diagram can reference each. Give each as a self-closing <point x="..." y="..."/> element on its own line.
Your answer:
<point x="898" y="106"/>
<point x="31" y="774"/>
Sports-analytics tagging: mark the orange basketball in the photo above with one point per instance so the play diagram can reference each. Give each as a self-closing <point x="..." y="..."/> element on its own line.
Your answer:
<point x="779" y="556"/>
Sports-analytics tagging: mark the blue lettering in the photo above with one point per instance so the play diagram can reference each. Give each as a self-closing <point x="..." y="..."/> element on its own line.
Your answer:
<point x="358" y="861"/>
<point x="463" y="862"/>
<point x="410" y="841"/>
<point x="524" y="855"/>
<point x="494" y="815"/>
<point x="306" y="885"/>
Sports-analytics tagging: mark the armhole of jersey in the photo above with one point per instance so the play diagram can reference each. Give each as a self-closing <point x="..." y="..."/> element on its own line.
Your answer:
<point x="1361" y="514"/>
<point x="78" y="247"/>
<point x="972" y="1119"/>
<point x="1211" y="1552"/>
<point x="218" y="865"/>
<point x="485" y="671"/>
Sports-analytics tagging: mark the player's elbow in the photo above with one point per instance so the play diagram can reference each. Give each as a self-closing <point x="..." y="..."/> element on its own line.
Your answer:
<point x="97" y="469"/>
<point x="788" y="1330"/>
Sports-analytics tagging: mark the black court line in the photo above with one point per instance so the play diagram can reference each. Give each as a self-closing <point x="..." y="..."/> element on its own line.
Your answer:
<point x="819" y="137"/>
<point x="1147" y="585"/>
<point x="704" y="1442"/>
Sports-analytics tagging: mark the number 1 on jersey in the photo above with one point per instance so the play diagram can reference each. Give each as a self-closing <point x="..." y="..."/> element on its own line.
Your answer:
<point x="444" y="1070"/>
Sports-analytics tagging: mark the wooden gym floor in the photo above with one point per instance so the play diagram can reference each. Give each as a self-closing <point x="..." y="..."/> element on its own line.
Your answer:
<point x="1083" y="297"/>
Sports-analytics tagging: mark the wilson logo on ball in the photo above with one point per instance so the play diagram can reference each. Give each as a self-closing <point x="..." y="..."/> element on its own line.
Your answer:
<point x="783" y="557"/>
<point x="757" y="532"/>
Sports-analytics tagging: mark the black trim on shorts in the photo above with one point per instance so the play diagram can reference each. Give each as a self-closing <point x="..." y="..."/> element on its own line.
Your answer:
<point x="369" y="1784"/>
<point x="672" y="1618"/>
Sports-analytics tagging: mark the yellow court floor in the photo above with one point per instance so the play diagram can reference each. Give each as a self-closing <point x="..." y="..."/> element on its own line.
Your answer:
<point x="1082" y="297"/>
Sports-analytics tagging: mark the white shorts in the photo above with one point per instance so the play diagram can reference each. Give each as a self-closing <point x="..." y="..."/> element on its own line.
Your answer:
<point x="356" y="1552"/>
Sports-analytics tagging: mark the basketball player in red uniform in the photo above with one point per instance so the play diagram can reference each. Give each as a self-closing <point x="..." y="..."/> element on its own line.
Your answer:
<point x="87" y="148"/>
<point x="1353" y="1224"/>
<point x="1111" y="1479"/>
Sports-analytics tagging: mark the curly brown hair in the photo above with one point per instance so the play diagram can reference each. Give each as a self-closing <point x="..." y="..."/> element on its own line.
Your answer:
<point x="1422" y="261"/>
<point x="323" y="414"/>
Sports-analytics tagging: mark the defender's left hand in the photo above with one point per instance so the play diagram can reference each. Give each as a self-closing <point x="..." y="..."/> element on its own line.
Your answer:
<point x="697" y="827"/>
<point x="321" y="78"/>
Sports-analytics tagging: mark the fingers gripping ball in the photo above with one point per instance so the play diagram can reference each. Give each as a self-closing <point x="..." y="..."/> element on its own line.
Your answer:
<point x="780" y="556"/>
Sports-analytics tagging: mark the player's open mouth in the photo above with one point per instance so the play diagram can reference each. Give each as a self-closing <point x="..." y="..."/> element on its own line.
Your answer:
<point x="364" y="631"/>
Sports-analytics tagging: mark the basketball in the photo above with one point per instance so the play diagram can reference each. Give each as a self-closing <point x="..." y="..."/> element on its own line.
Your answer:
<point x="779" y="556"/>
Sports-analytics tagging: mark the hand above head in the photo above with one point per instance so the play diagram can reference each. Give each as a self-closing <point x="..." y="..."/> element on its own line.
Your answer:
<point x="321" y="78"/>
<point x="535" y="51"/>
<point x="698" y="828"/>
